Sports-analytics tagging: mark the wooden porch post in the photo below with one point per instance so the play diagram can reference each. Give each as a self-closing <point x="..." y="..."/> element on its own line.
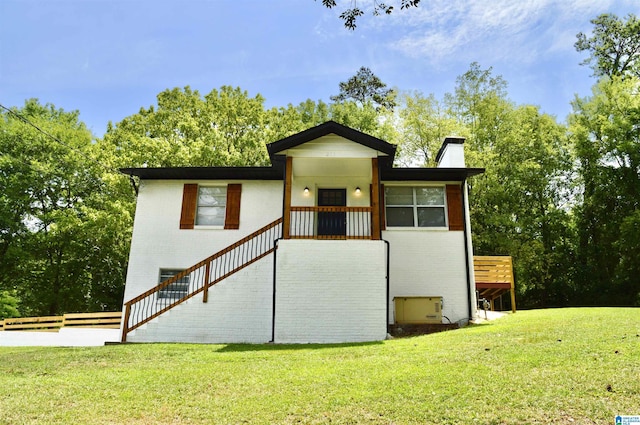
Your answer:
<point x="375" y="200"/>
<point x="286" y="219"/>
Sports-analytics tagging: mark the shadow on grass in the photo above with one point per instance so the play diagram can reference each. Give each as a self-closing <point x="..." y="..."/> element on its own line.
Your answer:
<point x="235" y="348"/>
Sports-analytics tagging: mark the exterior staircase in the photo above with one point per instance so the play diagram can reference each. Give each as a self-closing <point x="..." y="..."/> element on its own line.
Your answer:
<point x="181" y="288"/>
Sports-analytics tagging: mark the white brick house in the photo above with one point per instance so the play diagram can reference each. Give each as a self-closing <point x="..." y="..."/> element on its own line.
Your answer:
<point x="330" y="243"/>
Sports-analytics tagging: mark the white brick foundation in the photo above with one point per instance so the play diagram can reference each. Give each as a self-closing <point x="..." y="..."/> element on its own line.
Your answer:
<point x="330" y="291"/>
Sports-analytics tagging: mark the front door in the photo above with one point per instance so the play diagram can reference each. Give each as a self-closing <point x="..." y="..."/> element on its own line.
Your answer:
<point x="332" y="223"/>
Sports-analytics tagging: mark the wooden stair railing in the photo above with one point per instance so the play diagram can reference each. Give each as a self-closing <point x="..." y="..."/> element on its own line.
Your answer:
<point x="200" y="277"/>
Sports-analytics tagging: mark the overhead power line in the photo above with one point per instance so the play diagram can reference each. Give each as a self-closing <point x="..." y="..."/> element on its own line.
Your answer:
<point x="57" y="140"/>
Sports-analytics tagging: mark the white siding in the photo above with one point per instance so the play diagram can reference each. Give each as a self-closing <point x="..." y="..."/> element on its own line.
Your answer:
<point x="330" y="291"/>
<point x="429" y="263"/>
<point x="158" y="242"/>
<point x="332" y="146"/>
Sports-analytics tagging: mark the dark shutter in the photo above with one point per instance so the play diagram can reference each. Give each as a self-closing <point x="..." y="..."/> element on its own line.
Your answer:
<point x="455" y="211"/>
<point x="232" y="217"/>
<point x="189" y="201"/>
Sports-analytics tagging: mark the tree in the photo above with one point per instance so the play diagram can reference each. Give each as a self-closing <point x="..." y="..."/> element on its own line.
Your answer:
<point x="65" y="239"/>
<point x="604" y="129"/>
<point x="365" y="87"/>
<point x="520" y="205"/>
<point x="225" y="127"/>
<point x="480" y="103"/>
<point x="351" y="14"/>
<point x="614" y="46"/>
<point x="424" y="123"/>
<point x="8" y="305"/>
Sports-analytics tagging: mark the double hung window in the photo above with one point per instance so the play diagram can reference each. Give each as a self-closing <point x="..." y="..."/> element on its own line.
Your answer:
<point x="204" y="205"/>
<point x="408" y="206"/>
<point x="212" y="203"/>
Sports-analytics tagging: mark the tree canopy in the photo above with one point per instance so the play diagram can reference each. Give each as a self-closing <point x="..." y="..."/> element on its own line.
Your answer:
<point x="365" y="87"/>
<point x="613" y="47"/>
<point x="64" y="237"/>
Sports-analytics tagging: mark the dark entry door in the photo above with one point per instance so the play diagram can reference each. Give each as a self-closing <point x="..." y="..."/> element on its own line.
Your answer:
<point x="332" y="223"/>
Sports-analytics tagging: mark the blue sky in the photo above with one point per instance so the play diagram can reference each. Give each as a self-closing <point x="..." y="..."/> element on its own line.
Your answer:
<point x="109" y="58"/>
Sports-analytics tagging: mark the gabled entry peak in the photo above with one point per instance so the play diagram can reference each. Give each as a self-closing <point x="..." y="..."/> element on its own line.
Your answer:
<point x="332" y="128"/>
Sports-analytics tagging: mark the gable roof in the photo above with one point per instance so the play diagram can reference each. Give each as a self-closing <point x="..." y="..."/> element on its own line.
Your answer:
<point x="276" y="170"/>
<point x="332" y="127"/>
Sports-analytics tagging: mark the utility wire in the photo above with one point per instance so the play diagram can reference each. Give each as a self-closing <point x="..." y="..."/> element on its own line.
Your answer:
<point x="57" y="140"/>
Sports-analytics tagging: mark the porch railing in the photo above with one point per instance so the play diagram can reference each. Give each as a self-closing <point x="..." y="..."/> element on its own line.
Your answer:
<point x="330" y="223"/>
<point x="200" y="277"/>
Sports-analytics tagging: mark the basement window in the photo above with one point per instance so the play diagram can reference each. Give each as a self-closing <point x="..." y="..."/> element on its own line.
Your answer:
<point x="177" y="289"/>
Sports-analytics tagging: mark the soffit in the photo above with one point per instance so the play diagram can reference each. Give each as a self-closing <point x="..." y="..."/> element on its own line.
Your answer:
<point x="338" y="167"/>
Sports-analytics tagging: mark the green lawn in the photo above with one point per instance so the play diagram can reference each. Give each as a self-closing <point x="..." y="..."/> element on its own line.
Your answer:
<point x="577" y="366"/>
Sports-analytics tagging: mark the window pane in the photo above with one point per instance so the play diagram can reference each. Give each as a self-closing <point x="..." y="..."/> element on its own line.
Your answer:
<point x="166" y="274"/>
<point x="399" y="217"/>
<point x="398" y="195"/>
<point x="210" y="216"/>
<point x="430" y="195"/>
<point x="175" y="290"/>
<point x="431" y="217"/>
<point x="211" y="206"/>
<point x="212" y="196"/>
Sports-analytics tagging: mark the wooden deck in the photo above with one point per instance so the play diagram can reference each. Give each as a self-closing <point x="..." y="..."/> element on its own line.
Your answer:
<point x="494" y="277"/>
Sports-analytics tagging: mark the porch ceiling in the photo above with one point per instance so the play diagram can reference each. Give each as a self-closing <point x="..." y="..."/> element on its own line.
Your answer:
<point x="341" y="167"/>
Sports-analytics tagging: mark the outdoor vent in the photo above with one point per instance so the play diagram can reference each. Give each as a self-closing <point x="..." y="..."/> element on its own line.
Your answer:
<point x="418" y="310"/>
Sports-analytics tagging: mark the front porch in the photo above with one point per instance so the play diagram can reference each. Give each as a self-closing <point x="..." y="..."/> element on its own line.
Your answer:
<point x="318" y="206"/>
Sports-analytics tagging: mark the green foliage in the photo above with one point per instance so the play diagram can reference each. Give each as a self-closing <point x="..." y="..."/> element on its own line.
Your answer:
<point x="424" y="123"/>
<point x="614" y="46"/>
<point x="56" y="231"/>
<point x="8" y="304"/>
<point x="604" y="129"/>
<point x="533" y="367"/>
<point x="284" y="122"/>
<point x="225" y="127"/>
<point x="351" y="14"/>
<point x="364" y="88"/>
<point x="521" y="205"/>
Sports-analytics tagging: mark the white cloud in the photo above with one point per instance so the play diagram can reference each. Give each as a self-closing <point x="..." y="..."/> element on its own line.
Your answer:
<point x="495" y="30"/>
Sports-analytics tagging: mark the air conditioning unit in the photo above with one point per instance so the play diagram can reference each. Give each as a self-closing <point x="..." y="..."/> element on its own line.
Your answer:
<point x="418" y="310"/>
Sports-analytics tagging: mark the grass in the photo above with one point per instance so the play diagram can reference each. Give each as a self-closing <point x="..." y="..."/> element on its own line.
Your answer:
<point x="579" y="366"/>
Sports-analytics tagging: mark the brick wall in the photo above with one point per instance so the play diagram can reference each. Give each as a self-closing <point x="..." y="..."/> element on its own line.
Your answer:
<point x="238" y="310"/>
<point x="330" y="291"/>
<point x="429" y="263"/>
